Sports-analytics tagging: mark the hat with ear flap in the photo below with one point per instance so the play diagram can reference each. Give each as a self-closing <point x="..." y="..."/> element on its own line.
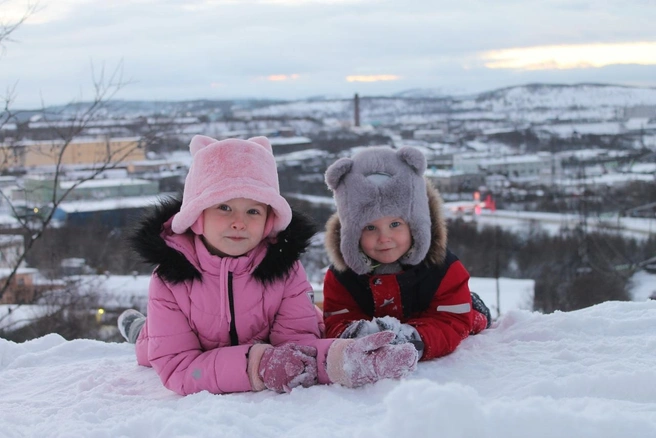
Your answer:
<point x="378" y="182"/>
<point x="228" y="169"/>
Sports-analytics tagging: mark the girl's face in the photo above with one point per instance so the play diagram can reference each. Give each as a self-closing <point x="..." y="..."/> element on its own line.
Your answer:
<point x="234" y="227"/>
<point x="386" y="239"/>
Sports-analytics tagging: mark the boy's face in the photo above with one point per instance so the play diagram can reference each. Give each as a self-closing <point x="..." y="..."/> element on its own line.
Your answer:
<point x="234" y="227"/>
<point x="386" y="239"/>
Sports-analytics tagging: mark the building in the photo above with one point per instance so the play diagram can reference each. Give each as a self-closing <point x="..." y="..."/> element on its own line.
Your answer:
<point x="22" y="288"/>
<point x="114" y="212"/>
<point x="80" y="151"/>
<point x="453" y="181"/>
<point x="285" y="145"/>
<point x="517" y="168"/>
<point x="11" y="248"/>
<point x="38" y="190"/>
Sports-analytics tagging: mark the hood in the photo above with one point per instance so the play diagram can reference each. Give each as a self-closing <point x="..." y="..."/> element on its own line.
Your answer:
<point x="436" y="251"/>
<point x="172" y="266"/>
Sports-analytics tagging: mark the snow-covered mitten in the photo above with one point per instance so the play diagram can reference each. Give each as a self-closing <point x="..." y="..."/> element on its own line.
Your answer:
<point x="388" y="323"/>
<point x="356" y="362"/>
<point x="482" y="317"/>
<point x="130" y="323"/>
<point x="360" y="328"/>
<point x="288" y="366"/>
<point x="281" y="368"/>
<point x="404" y="332"/>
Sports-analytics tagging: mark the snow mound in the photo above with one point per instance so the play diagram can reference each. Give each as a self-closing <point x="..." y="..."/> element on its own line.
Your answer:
<point x="588" y="373"/>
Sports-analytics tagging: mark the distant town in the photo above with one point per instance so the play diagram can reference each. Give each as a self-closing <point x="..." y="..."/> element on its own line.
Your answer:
<point x="536" y="160"/>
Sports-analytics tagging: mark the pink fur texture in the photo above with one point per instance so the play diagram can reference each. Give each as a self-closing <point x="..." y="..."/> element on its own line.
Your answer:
<point x="228" y="169"/>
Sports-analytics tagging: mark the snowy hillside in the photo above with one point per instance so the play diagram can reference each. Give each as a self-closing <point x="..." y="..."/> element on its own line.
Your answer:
<point x="551" y="109"/>
<point x="564" y="96"/>
<point x="583" y="101"/>
<point x="588" y="373"/>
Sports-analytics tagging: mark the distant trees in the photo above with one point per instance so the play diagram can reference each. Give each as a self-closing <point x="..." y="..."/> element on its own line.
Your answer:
<point x="342" y="140"/>
<point x="571" y="271"/>
<point x="68" y="310"/>
<point x="101" y="246"/>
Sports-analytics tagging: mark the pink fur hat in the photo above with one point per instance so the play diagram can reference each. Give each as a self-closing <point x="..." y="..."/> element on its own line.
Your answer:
<point x="228" y="169"/>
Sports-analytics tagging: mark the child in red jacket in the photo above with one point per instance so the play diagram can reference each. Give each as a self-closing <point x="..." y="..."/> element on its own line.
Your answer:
<point x="391" y="268"/>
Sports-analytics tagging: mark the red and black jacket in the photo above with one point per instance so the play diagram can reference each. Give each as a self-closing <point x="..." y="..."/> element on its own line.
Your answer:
<point x="432" y="296"/>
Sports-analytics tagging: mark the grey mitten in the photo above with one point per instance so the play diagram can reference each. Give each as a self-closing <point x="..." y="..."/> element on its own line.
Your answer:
<point x="403" y="332"/>
<point x="359" y="329"/>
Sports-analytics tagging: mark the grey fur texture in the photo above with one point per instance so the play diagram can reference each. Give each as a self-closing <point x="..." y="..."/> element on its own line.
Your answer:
<point x="378" y="182"/>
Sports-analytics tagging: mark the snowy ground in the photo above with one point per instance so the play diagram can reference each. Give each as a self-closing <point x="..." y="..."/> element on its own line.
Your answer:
<point x="588" y="373"/>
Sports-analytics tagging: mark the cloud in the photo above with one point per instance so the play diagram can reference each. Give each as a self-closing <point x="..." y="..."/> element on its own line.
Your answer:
<point x="297" y="48"/>
<point x="372" y="78"/>
<point x="564" y="57"/>
<point x="39" y="12"/>
<point x="279" y="78"/>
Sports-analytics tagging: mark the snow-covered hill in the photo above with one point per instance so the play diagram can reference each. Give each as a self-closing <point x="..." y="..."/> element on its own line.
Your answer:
<point x="588" y="373"/>
<point x="526" y="97"/>
<point x="581" y="101"/>
<point x="563" y="96"/>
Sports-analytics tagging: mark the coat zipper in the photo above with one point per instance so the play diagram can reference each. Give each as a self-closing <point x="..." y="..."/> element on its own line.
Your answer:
<point x="234" y="340"/>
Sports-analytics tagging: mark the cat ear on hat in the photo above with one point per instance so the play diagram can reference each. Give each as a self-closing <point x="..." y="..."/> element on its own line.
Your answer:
<point x="198" y="142"/>
<point x="336" y="172"/>
<point x="413" y="158"/>
<point x="262" y="141"/>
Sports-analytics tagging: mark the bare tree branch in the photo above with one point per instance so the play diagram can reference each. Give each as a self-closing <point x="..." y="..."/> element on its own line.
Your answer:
<point x="105" y="88"/>
<point x="8" y="28"/>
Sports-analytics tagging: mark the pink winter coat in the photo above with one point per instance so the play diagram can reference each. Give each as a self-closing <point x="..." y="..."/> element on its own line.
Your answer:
<point x="187" y="336"/>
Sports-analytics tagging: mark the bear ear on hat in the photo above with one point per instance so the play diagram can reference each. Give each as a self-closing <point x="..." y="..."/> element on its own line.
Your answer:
<point x="413" y="158"/>
<point x="198" y="142"/>
<point x="336" y="172"/>
<point x="262" y="141"/>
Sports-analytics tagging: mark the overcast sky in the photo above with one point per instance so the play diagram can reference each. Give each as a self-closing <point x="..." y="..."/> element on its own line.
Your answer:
<point x="218" y="49"/>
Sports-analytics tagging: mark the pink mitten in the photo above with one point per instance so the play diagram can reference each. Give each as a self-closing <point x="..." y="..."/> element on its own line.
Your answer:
<point x="356" y="362"/>
<point x="285" y="367"/>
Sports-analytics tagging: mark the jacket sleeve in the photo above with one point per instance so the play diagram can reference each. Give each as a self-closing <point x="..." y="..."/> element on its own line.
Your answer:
<point x="296" y="318"/>
<point x="339" y="307"/>
<point x="297" y="321"/>
<point x="175" y="352"/>
<point x="448" y="318"/>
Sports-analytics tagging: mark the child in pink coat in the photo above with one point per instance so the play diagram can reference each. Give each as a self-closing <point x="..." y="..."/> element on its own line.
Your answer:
<point x="229" y="305"/>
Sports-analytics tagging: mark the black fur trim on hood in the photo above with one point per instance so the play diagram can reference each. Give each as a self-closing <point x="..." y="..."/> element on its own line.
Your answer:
<point x="174" y="267"/>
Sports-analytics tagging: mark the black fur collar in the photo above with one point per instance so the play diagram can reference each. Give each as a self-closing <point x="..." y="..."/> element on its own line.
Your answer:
<point x="174" y="267"/>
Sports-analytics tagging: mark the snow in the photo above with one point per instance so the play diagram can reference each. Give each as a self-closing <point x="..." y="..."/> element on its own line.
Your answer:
<point x="112" y="203"/>
<point x="587" y="373"/>
<point x="514" y="293"/>
<point x="117" y="292"/>
<point x="609" y="180"/>
<point x="643" y="168"/>
<point x="284" y="141"/>
<point x="554" y="223"/>
<point x="643" y="285"/>
<point x="101" y="183"/>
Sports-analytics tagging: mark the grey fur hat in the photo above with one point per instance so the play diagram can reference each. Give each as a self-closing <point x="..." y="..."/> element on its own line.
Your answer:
<point x="378" y="182"/>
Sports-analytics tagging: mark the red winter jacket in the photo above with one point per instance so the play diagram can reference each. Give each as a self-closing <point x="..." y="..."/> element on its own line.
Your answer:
<point x="432" y="296"/>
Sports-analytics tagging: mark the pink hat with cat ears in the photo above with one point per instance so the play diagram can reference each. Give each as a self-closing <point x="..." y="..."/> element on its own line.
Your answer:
<point x="228" y="169"/>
